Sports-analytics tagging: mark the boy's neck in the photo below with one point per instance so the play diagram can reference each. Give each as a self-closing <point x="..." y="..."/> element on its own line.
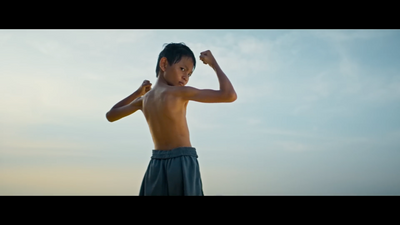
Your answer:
<point x="161" y="81"/>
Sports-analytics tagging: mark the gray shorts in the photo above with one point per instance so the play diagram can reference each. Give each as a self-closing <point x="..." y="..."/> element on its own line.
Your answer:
<point x="172" y="173"/>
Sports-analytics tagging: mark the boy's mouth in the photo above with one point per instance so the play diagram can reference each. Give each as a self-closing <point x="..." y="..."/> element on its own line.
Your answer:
<point x="181" y="83"/>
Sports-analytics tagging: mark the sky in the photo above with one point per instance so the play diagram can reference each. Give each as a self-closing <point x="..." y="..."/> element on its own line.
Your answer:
<point x="317" y="111"/>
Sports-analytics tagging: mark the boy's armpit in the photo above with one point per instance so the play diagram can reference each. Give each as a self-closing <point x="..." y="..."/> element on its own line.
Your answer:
<point x="205" y="95"/>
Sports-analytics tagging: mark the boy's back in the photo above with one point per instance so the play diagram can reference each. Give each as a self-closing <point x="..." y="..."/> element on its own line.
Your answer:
<point x="173" y="169"/>
<point x="165" y="113"/>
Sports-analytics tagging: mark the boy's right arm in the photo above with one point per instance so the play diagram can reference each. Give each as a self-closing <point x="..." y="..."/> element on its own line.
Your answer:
<point x="130" y="104"/>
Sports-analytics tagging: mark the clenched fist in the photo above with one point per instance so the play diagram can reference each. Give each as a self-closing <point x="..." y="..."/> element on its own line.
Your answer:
<point x="208" y="58"/>
<point x="145" y="87"/>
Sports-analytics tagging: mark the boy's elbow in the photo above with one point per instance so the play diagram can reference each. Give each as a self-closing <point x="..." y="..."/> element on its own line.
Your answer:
<point x="109" y="118"/>
<point x="231" y="97"/>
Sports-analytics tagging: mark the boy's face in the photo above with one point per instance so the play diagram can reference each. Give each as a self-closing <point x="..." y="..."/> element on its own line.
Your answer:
<point x="178" y="74"/>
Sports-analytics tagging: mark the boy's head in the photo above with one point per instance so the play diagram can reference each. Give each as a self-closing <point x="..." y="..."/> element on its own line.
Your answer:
<point x="174" y="53"/>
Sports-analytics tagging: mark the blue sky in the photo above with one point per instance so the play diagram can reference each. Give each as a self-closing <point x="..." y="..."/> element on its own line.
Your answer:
<point x="316" y="114"/>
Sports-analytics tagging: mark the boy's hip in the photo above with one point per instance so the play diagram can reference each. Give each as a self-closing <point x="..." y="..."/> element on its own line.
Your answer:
<point x="176" y="152"/>
<point x="173" y="172"/>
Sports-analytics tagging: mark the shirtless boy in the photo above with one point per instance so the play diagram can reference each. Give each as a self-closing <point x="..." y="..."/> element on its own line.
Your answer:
<point x="173" y="168"/>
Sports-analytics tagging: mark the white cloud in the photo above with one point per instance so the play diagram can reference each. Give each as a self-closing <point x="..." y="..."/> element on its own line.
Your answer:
<point x="301" y="109"/>
<point x="52" y="48"/>
<point x="253" y="121"/>
<point x="38" y="98"/>
<point x="4" y="37"/>
<point x="357" y="82"/>
<point x="132" y="36"/>
<point x="286" y="132"/>
<point x="350" y="35"/>
<point x="86" y="45"/>
<point x="252" y="46"/>
<point x="242" y="55"/>
<point x="292" y="146"/>
<point x="21" y="146"/>
<point x="381" y="90"/>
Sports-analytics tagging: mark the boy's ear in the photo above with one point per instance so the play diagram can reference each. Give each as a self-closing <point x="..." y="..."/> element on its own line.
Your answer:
<point x="163" y="63"/>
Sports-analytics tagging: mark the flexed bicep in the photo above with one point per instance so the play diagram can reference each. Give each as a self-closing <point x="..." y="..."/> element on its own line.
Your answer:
<point x="205" y="95"/>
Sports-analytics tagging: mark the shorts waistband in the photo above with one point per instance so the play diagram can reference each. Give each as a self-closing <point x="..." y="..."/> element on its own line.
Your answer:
<point x="176" y="152"/>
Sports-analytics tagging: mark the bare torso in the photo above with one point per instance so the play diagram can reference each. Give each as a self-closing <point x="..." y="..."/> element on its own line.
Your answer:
<point x="165" y="113"/>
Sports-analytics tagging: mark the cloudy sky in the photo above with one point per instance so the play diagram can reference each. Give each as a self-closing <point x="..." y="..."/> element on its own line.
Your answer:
<point x="317" y="111"/>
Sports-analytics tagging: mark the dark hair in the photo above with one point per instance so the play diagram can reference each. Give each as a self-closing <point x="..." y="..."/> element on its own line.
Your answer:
<point x="174" y="52"/>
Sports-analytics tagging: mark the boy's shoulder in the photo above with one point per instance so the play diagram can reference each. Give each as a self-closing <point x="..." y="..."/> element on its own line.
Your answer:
<point x="175" y="90"/>
<point x="181" y="92"/>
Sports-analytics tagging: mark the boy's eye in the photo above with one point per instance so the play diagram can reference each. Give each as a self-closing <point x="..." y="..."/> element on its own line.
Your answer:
<point x="183" y="69"/>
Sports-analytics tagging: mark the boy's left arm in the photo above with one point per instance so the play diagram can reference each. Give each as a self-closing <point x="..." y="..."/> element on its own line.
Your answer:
<point x="117" y="113"/>
<point x="129" y="104"/>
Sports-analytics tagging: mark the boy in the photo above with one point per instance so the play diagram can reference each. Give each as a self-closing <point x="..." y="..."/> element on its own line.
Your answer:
<point x="173" y="168"/>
